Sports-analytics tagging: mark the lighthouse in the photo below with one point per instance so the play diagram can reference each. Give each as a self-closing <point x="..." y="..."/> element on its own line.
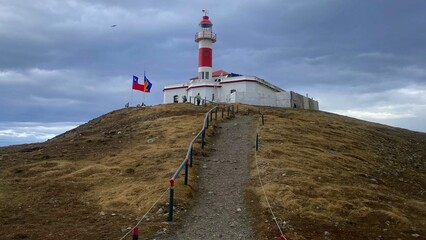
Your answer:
<point x="228" y="87"/>
<point x="205" y="39"/>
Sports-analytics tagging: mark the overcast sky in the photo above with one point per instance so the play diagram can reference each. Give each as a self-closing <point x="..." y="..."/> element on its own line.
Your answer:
<point x="62" y="64"/>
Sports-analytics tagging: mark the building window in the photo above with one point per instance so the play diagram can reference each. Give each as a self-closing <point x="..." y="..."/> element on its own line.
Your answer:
<point x="175" y="98"/>
<point x="212" y="97"/>
<point x="233" y="90"/>
<point x="207" y="75"/>
<point x="202" y="75"/>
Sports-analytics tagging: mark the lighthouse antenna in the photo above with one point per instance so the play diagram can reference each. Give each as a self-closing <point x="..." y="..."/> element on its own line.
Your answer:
<point x="205" y="12"/>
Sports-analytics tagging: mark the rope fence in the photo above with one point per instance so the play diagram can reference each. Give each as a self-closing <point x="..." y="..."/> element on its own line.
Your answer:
<point x="135" y="228"/>
<point x="282" y="236"/>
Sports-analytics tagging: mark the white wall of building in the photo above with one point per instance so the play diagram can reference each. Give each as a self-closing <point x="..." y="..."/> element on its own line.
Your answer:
<point x="227" y="87"/>
<point x="306" y="103"/>
<point x="205" y="92"/>
<point x="247" y="90"/>
<point x="283" y="99"/>
<point x="316" y="105"/>
<point x="170" y="94"/>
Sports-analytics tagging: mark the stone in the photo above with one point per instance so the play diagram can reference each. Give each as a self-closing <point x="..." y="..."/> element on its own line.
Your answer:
<point x="102" y="213"/>
<point x="416" y="235"/>
<point x="149" y="141"/>
<point x="238" y="209"/>
<point x="160" y="210"/>
<point x="327" y="233"/>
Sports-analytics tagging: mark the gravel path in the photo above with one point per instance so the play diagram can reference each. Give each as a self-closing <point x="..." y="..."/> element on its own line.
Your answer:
<point x="219" y="210"/>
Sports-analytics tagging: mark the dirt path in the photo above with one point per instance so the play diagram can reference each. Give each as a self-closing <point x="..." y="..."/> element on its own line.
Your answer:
<point x="219" y="210"/>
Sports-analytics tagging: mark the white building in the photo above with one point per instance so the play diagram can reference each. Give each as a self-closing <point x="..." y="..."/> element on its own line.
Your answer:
<point x="221" y="86"/>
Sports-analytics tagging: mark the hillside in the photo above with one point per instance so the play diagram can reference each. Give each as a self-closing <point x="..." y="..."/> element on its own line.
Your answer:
<point x="335" y="177"/>
<point x="326" y="176"/>
<point x="94" y="181"/>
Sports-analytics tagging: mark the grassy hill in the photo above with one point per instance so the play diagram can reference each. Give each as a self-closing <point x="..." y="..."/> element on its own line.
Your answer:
<point x="326" y="176"/>
<point x="335" y="177"/>
<point x="94" y="181"/>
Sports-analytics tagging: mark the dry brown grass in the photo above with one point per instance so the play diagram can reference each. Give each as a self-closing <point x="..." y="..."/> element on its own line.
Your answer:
<point x="95" y="180"/>
<point x="351" y="178"/>
<point x="322" y="172"/>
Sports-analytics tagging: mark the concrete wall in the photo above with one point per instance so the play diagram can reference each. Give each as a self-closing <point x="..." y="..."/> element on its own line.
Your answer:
<point x="300" y="101"/>
<point x="306" y="104"/>
<point x="225" y="92"/>
<point x="249" y="93"/>
<point x="169" y="95"/>
<point x="255" y="98"/>
<point x="283" y="99"/>
<point x="311" y="103"/>
<point x="205" y="92"/>
<point x="297" y="100"/>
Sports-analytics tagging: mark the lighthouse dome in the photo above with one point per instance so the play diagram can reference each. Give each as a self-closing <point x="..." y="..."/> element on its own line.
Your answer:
<point x="205" y="22"/>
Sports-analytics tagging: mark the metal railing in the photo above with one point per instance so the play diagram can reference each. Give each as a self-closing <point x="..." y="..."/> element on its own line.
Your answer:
<point x="205" y="35"/>
<point x="187" y="162"/>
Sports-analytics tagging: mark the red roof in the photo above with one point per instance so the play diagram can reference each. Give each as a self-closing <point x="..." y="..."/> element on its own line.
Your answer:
<point x="215" y="74"/>
<point x="219" y="72"/>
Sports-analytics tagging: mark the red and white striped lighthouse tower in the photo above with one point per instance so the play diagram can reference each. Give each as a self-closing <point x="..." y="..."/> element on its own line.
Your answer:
<point x="205" y="39"/>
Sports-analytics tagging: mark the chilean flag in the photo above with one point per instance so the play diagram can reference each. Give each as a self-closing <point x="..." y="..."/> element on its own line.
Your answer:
<point x="136" y="84"/>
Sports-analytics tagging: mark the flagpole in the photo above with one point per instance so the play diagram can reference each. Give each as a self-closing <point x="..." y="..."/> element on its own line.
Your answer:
<point x="131" y="99"/>
<point x="143" y="94"/>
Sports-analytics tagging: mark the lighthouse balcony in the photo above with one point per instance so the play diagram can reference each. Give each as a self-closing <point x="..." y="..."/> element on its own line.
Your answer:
<point x="205" y="35"/>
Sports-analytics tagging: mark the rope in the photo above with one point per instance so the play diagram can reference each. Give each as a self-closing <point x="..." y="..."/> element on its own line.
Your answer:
<point x="140" y="220"/>
<point x="263" y="189"/>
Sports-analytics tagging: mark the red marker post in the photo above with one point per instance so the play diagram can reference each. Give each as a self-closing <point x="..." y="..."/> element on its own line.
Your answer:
<point x="135" y="233"/>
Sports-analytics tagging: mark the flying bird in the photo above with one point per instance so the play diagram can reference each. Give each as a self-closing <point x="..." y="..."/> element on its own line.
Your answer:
<point x="115" y="25"/>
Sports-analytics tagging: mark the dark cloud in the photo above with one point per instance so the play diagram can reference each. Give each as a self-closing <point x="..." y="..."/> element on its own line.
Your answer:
<point x="62" y="61"/>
